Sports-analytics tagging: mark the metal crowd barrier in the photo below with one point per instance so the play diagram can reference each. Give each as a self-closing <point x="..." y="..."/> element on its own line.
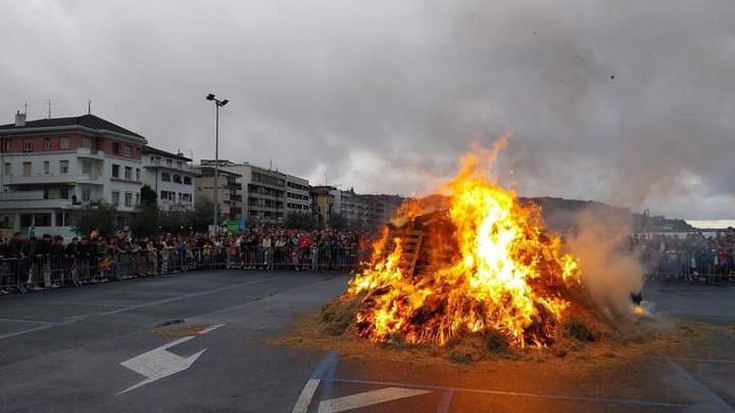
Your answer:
<point x="32" y="273"/>
<point x="692" y="266"/>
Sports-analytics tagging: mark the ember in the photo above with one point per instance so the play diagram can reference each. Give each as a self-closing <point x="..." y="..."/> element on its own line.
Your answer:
<point x="474" y="261"/>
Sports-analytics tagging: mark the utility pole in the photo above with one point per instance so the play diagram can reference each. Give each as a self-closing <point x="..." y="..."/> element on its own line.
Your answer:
<point x="218" y="104"/>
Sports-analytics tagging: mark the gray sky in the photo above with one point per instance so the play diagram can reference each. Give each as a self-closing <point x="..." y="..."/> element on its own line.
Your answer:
<point x="631" y="103"/>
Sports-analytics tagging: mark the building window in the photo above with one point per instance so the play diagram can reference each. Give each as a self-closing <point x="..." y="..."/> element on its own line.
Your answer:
<point x="64" y="193"/>
<point x="6" y="145"/>
<point x="59" y="219"/>
<point x="137" y="199"/>
<point x="86" y="167"/>
<point x="46" y="167"/>
<point x="169" y="162"/>
<point x="128" y="173"/>
<point x="179" y="164"/>
<point x="27" y="146"/>
<point x="27" y="166"/>
<point x="64" y="143"/>
<point x="128" y="199"/>
<point x="165" y="177"/>
<point x="63" y="167"/>
<point x="45" y="193"/>
<point x="177" y="179"/>
<point x="87" y="143"/>
<point x="8" y="171"/>
<point x="128" y="151"/>
<point x="115" y="148"/>
<point x="115" y="198"/>
<point x="115" y="171"/>
<point x="85" y="196"/>
<point x="46" y="144"/>
<point x="137" y="174"/>
<point x="187" y="180"/>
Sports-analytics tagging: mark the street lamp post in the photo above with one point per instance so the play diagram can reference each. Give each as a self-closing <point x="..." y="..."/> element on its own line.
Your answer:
<point x="218" y="104"/>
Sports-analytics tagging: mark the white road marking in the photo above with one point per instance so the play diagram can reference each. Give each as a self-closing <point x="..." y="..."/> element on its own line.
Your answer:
<point x="88" y="304"/>
<point x="159" y="363"/>
<point x="302" y="404"/>
<point x="370" y="398"/>
<point x="177" y="298"/>
<point x="20" y="320"/>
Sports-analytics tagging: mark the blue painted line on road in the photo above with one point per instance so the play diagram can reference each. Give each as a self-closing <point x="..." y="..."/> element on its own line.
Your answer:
<point x="711" y="395"/>
<point x="519" y="394"/>
<point x="328" y="390"/>
<point x="322" y="367"/>
<point x="445" y="402"/>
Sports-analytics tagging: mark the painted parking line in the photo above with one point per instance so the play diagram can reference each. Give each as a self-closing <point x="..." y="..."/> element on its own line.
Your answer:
<point x="148" y="292"/>
<point x="307" y="393"/>
<point x="183" y="297"/>
<point x="519" y="394"/>
<point x="22" y="320"/>
<point x="445" y="402"/>
<point x="370" y="398"/>
<point x="29" y="330"/>
<point x="713" y="397"/>
<point x="47" y="325"/>
<point x="87" y="303"/>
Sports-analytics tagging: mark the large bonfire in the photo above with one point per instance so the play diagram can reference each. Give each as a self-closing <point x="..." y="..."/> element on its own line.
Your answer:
<point x="486" y="266"/>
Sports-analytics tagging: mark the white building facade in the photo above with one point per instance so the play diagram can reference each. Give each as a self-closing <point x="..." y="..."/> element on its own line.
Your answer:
<point x="53" y="167"/>
<point x="268" y="195"/>
<point x="171" y="177"/>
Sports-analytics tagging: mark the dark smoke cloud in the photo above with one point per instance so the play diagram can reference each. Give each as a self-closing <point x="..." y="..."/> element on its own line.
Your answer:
<point x="630" y="103"/>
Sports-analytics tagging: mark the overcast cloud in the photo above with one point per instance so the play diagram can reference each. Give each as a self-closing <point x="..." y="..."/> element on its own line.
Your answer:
<point x="626" y="102"/>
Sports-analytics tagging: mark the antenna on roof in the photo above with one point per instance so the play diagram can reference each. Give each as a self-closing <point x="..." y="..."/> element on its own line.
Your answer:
<point x="49" y="108"/>
<point x="25" y="107"/>
<point x="89" y="106"/>
<point x="270" y="164"/>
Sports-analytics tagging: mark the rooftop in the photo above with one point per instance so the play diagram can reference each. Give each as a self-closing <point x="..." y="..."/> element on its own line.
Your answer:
<point x="89" y="121"/>
<point x="150" y="149"/>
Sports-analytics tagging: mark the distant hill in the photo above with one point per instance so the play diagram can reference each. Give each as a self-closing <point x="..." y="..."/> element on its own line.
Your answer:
<point x="561" y="215"/>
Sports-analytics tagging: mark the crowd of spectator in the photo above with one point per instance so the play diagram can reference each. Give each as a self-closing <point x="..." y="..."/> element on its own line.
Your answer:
<point x="47" y="260"/>
<point x="690" y="258"/>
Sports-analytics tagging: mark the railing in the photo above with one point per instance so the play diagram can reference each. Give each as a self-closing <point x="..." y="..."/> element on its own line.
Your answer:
<point x="691" y="266"/>
<point x="53" y="271"/>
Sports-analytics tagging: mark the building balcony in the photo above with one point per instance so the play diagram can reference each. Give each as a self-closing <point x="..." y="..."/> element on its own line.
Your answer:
<point x="47" y="179"/>
<point x="90" y="153"/>
<point x="31" y="200"/>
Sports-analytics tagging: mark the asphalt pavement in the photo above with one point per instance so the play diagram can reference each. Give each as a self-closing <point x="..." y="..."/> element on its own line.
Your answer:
<point x="201" y="342"/>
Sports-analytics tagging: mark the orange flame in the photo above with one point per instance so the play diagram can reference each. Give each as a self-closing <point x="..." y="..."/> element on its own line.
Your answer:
<point x="504" y="278"/>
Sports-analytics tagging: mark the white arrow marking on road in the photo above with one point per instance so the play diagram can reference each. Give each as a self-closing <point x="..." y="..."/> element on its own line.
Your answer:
<point x="159" y="363"/>
<point x="358" y="400"/>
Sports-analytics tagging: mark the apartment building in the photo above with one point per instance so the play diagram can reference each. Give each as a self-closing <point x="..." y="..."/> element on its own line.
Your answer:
<point x="171" y="176"/>
<point x="364" y="211"/>
<point x="52" y="167"/>
<point x="229" y="194"/>
<point x="268" y="195"/>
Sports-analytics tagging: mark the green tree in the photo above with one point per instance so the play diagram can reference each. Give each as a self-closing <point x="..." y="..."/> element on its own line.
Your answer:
<point x="148" y="196"/>
<point x="175" y="221"/>
<point x="146" y="221"/>
<point x="100" y="218"/>
<point x="200" y="218"/>
<point x="300" y="220"/>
